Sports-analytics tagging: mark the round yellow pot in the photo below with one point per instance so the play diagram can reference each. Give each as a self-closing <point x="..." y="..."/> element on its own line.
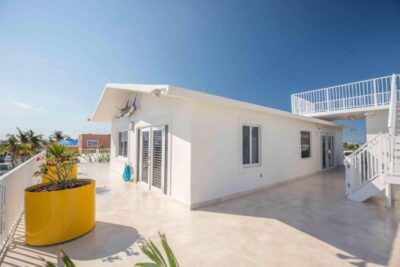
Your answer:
<point x="51" y="173"/>
<point x="57" y="216"/>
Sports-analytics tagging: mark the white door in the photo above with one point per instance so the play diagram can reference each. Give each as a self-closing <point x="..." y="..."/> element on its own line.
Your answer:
<point x="152" y="160"/>
<point x="327" y="153"/>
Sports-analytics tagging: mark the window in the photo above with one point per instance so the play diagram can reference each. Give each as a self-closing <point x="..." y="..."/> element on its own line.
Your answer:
<point x="250" y="145"/>
<point x="92" y="143"/>
<point x="123" y="144"/>
<point x="305" y="144"/>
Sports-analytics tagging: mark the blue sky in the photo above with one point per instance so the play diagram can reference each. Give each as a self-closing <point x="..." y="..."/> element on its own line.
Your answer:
<point x="56" y="56"/>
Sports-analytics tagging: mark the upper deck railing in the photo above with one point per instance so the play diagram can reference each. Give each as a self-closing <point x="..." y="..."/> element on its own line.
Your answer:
<point x="368" y="93"/>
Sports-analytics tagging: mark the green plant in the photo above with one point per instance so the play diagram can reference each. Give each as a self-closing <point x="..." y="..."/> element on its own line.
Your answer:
<point x="151" y="251"/>
<point x="58" y="136"/>
<point x="17" y="149"/>
<point x="58" y="166"/>
<point x="56" y="151"/>
<point x="63" y="256"/>
<point x="21" y="146"/>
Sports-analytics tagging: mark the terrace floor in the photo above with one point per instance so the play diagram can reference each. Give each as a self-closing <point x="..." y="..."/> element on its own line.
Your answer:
<point x="305" y="223"/>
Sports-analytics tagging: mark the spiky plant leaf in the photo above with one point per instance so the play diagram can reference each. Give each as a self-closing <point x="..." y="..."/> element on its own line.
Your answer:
<point x="170" y="255"/>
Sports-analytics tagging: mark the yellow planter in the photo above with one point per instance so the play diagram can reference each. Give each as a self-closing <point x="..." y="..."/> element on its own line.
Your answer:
<point x="51" y="173"/>
<point x="57" y="216"/>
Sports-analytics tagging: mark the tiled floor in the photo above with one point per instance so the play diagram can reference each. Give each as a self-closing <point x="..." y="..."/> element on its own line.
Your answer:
<point x="305" y="223"/>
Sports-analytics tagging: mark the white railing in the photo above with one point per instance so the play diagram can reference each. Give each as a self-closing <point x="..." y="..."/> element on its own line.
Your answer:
<point x="368" y="162"/>
<point x="101" y="155"/>
<point x="376" y="157"/>
<point x="368" y="93"/>
<point x="12" y="185"/>
<point x="392" y="122"/>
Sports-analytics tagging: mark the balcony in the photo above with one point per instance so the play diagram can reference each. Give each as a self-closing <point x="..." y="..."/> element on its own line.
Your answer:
<point x="345" y="101"/>
<point x="308" y="222"/>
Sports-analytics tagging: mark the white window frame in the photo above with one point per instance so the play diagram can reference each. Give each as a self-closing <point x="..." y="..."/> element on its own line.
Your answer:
<point x="92" y="140"/>
<point x="311" y="145"/>
<point x="249" y="165"/>
<point x="119" y="154"/>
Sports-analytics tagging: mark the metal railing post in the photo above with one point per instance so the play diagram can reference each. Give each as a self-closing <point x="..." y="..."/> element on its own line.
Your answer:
<point x="375" y="96"/>
<point x="327" y="99"/>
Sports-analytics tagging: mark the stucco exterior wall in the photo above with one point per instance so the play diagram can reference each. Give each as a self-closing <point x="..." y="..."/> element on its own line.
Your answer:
<point x="104" y="140"/>
<point x="217" y="169"/>
<point x="153" y="111"/>
<point x="117" y="163"/>
<point x="376" y="123"/>
<point x="204" y="147"/>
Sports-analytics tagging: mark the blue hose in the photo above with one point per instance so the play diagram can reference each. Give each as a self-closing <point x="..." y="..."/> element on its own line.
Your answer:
<point x="127" y="173"/>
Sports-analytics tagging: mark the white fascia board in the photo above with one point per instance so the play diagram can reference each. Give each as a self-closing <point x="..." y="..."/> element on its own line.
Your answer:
<point x="174" y="91"/>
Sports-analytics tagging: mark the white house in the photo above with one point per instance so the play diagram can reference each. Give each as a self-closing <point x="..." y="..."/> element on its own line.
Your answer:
<point x="200" y="148"/>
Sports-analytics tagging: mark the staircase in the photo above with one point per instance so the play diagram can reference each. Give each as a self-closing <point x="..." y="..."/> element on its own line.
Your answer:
<point x="375" y="166"/>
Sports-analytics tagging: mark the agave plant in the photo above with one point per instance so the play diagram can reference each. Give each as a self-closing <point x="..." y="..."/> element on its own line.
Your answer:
<point x="158" y="260"/>
<point x="61" y="255"/>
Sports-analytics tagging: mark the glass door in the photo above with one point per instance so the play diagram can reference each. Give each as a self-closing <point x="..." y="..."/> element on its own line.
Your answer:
<point x="158" y="158"/>
<point x="327" y="153"/>
<point x="144" y="156"/>
<point x="152" y="157"/>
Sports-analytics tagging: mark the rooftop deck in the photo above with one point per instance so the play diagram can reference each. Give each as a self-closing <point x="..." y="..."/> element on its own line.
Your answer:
<point x="345" y="101"/>
<point x="305" y="223"/>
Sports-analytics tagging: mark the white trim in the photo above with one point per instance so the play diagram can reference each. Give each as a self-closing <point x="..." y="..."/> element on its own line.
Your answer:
<point x="120" y="91"/>
<point x="311" y="145"/>
<point x="328" y="134"/>
<point x="119" y="133"/>
<point x="250" y="165"/>
<point x="166" y="154"/>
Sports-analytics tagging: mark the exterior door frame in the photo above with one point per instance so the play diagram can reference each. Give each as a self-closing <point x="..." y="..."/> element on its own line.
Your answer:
<point x="140" y="158"/>
<point x="164" y="166"/>
<point x="329" y="151"/>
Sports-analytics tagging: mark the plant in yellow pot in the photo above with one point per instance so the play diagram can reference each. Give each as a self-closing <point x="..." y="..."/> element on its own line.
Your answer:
<point x="60" y="210"/>
<point x="55" y="153"/>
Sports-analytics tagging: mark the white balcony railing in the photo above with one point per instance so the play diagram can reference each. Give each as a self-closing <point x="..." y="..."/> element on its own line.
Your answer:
<point x="368" y="93"/>
<point x="101" y="155"/>
<point x="12" y="185"/>
<point x="368" y="162"/>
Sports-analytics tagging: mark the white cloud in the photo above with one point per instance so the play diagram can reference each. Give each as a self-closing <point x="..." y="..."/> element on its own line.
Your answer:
<point x="26" y="106"/>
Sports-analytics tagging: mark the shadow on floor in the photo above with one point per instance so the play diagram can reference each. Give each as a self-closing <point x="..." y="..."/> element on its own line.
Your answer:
<point x="318" y="207"/>
<point x="106" y="241"/>
<point x="102" y="190"/>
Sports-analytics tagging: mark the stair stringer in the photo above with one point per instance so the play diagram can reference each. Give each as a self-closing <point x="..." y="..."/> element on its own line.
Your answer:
<point x="369" y="189"/>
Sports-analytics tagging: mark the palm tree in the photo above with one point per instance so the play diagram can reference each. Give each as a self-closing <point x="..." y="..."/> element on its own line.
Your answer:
<point x="58" y="136"/>
<point x="35" y="140"/>
<point x="22" y="145"/>
<point x="13" y="146"/>
<point x="22" y="136"/>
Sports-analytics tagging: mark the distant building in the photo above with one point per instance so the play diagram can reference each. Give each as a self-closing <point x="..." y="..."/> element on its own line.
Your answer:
<point x="90" y="141"/>
<point x="71" y="143"/>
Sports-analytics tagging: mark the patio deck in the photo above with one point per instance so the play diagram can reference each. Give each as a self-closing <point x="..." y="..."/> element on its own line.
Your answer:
<point x="305" y="223"/>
